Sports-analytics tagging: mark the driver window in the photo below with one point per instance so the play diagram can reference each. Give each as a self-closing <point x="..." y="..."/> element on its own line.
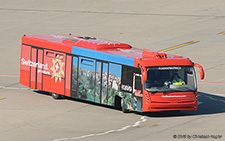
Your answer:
<point x="138" y="85"/>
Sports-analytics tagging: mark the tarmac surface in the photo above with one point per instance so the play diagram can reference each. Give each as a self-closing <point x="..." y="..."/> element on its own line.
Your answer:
<point x="26" y="115"/>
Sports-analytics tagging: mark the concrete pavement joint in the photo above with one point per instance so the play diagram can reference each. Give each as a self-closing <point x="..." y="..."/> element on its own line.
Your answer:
<point x="107" y="12"/>
<point x="142" y="119"/>
<point x="13" y="88"/>
<point x="9" y="75"/>
<point x="215" y="83"/>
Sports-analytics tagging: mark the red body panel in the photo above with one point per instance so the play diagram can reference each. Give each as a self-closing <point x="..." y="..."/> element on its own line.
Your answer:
<point x="24" y="66"/>
<point x="68" y="75"/>
<point x="171" y="101"/>
<point x="45" y="43"/>
<point x="25" y="78"/>
<point x="51" y="81"/>
<point x="49" y="85"/>
<point x="37" y="64"/>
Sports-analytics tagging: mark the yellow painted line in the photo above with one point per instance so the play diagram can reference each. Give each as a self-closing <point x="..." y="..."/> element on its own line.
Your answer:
<point x="178" y="46"/>
<point x="222" y="33"/>
<point x="2" y="98"/>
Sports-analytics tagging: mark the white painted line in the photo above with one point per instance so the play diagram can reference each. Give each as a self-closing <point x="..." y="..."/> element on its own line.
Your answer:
<point x="100" y="134"/>
<point x="215" y="99"/>
<point x="136" y="123"/>
<point x="110" y="131"/>
<point x="85" y="136"/>
<point x="76" y="138"/>
<point x="123" y="128"/>
<point x="11" y="88"/>
<point x="62" y="139"/>
<point x="211" y="98"/>
<point x="24" y="88"/>
<point x="142" y="119"/>
<point x="222" y="101"/>
<point x="88" y="135"/>
<point x="199" y="102"/>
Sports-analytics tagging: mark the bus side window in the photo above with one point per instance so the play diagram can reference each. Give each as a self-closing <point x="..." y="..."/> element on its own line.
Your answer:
<point x="87" y="62"/>
<point x="127" y="79"/>
<point x="50" y="54"/>
<point x="59" y="56"/>
<point x="138" y="85"/>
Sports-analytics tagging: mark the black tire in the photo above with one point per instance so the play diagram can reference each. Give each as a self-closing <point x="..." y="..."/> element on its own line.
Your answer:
<point x="118" y="103"/>
<point x="56" y="96"/>
<point x="123" y="106"/>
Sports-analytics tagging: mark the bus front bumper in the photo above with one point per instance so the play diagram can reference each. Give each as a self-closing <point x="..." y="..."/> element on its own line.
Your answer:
<point x="157" y="107"/>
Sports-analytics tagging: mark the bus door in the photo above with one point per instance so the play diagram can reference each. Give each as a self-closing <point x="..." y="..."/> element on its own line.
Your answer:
<point x="104" y="92"/>
<point x="74" y="78"/>
<point x="86" y="79"/>
<point x="137" y="92"/>
<point x="36" y="68"/>
<point x="101" y="82"/>
<point x="40" y="69"/>
<point x="33" y="71"/>
<point x="98" y="82"/>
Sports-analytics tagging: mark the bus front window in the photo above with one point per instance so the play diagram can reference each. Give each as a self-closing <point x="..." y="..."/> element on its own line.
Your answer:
<point x="170" y="79"/>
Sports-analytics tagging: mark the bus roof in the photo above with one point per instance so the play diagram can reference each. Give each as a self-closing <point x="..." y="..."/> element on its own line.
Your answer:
<point x="103" y="50"/>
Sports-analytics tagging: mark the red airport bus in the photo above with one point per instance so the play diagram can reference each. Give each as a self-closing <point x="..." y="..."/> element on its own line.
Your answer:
<point x="108" y="72"/>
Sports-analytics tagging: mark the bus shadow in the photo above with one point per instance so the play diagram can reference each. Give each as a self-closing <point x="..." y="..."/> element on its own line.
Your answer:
<point x="75" y="99"/>
<point x="208" y="104"/>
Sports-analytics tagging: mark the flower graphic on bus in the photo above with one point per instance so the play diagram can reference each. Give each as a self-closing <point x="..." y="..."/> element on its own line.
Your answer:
<point x="57" y="68"/>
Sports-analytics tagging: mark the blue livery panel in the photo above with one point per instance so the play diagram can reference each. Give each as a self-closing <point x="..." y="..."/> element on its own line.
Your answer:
<point x="103" y="56"/>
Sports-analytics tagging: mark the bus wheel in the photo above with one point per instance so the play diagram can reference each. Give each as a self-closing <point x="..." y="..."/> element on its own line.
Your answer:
<point x="123" y="106"/>
<point x="118" y="102"/>
<point x="56" y="96"/>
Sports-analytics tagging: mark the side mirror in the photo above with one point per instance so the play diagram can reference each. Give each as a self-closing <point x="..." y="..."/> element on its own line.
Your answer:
<point x="202" y="73"/>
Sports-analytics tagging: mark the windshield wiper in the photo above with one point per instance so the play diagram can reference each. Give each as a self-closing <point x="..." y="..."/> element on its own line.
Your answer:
<point x="161" y="89"/>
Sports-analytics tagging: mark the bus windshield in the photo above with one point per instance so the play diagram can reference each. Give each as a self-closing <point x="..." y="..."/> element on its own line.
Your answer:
<point x="170" y="79"/>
